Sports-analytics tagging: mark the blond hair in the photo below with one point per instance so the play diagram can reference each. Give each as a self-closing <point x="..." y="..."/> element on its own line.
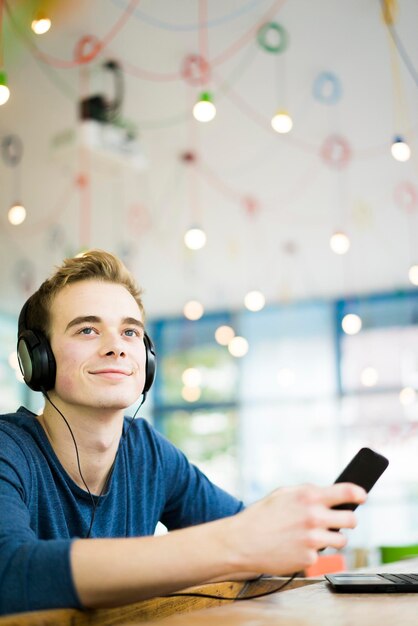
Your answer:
<point x="91" y="265"/>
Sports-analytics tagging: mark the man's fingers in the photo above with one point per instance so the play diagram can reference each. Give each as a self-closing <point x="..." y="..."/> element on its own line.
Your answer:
<point x="331" y="539"/>
<point x="322" y="517"/>
<point x="342" y="493"/>
<point x="342" y="519"/>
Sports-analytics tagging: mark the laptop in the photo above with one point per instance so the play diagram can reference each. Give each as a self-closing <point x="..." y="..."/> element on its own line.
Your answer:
<point x="373" y="583"/>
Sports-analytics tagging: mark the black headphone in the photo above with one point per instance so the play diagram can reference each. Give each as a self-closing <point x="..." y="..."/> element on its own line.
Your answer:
<point x="37" y="362"/>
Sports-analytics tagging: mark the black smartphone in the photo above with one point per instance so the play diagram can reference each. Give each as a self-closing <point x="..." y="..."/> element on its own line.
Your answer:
<point x="364" y="469"/>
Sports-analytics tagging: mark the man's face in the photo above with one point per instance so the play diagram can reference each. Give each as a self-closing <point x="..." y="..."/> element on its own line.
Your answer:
<point x="97" y="340"/>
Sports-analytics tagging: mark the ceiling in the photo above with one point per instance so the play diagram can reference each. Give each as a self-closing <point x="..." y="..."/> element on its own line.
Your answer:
<point x="268" y="202"/>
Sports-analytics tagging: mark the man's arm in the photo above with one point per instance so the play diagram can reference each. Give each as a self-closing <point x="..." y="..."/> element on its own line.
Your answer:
<point x="35" y="574"/>
<point x="279" y="534"/>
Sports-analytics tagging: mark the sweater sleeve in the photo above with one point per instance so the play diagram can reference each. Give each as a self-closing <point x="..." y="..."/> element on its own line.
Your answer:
<point x="35" y="574"/>
<point x="191" y="498"/>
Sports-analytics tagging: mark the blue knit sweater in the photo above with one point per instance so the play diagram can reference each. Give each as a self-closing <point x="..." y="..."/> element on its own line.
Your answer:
<point x="42" y="510"/>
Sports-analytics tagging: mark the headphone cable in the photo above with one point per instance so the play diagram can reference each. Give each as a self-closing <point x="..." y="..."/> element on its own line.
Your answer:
<point x="240" y="595"/>
<point x="94" y="501"/>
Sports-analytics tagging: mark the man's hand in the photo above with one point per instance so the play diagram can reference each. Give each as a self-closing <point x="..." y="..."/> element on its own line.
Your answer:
<point x="280" y="534"/>
<point x="283" y="532"/>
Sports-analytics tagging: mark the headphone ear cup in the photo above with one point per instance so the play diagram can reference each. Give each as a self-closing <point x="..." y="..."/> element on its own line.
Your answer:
<point x="150" y="363"/>
<point x="36" y="360"/>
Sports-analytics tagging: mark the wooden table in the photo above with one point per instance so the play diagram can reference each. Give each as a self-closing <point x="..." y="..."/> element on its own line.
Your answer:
<point x="306" y="602"/>
<point x="148" y="611"/>
<point x="313" y="605"/>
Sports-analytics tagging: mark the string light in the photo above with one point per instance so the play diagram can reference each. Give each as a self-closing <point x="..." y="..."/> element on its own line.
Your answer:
<point x="400" y="149"/>
<point x="351" y="324"/>
<point x="413" y="274"/>
<point x="16" y="214"/>
<point x="195" y="238"/>
<point x="282" y="122"/>
<point x="238" y="346"/>
<point x="4" y="89"/>
<point x="41" y="24"/>
<point x="224" y="334"/>
<point x="204" y="110"/>
<point x="254" y="300"/>
<point x="191" y="394"/>
<point x="339" y="243"/>
<point x="193" y="310"/>
<point x="192" y="380"/>
<point x="191" y="377"/>
<point x="407" y="396"/>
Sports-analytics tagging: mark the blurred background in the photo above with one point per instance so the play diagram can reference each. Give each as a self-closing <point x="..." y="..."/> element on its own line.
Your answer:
<point x="254" y="164"/>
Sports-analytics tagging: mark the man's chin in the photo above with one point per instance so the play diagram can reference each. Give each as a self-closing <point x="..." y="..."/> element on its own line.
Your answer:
<point x="115" y="404"/>
<point x="111" y="399"/>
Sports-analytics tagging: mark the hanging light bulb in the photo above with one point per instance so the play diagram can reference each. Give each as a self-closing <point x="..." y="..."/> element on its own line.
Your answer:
<point x="407" y="396"/>
<point x="413" y="274"/>
<point x="41" y="24"/>
<point x="4" y="90"/>
<point x="254" y="300"/>
<point x="195" y="238"/>
<point x="191" y="394"/>
<point x="16" y="214"/>
<point x="400" y="149"/>
<point x="282" y="122"/>
<point x="339" y="242"/>
<point x="238" y="346"/>
<point x="351" y="324"/>
<point x="191" y="377"/>
<point x="204" y="110"/>
<point x="193" y="310"/>
<point x="224" y="334"/>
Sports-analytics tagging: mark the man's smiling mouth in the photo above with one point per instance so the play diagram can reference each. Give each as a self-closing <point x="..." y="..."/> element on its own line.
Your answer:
<point x="112" y="372"/>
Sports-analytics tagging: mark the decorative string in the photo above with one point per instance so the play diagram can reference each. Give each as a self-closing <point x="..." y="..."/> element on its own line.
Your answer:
<point x="1" y="34"/>
<point x="400" y="47"/>
<point x="220" y="59"/>
<point x="98" y="45"/>
<point x="52" y="217"/>
<point x="248" y="36"/>
<point x="299" y="187"/>
<point x="217" y="183"/>
<point x="203" y="30"/>
<point x="399" y="108"/>
<point x="157" y="23"/>
<point x="84" y="179"/>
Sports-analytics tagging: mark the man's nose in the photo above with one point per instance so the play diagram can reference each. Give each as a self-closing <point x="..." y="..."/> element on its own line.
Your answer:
<point x="112" y="345"/>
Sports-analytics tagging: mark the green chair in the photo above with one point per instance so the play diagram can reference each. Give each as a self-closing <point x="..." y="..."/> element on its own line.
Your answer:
<point x="388" y="554"/>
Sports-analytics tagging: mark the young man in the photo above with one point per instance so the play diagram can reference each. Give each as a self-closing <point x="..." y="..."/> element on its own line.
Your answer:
<point x="82" y="488"/>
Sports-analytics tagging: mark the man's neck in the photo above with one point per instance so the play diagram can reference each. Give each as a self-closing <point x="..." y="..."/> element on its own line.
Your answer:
<point x="97" y="434"/>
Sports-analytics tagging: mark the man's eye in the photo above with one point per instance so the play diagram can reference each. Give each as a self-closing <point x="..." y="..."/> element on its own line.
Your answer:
<point x="86" y="331"/>
<point x="131" y="332"/>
